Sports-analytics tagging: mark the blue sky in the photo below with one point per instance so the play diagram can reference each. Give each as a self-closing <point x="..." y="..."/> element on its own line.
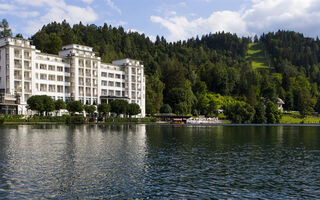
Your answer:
<point x="173" y="19"/>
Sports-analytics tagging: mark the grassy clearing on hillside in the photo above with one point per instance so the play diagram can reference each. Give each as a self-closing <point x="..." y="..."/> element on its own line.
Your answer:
<point x="257" y="57"/>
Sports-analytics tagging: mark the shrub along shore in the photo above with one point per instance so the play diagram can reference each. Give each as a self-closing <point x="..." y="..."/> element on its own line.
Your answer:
<point x="66" y="119"/>
<point x="80" y="119"/>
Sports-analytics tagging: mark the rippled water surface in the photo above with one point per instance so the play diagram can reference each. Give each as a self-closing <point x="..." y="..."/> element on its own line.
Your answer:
<point x="149" y="161"/>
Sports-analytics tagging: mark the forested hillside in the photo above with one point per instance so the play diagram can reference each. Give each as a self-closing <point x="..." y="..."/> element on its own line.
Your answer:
<point x="187" y="76"/>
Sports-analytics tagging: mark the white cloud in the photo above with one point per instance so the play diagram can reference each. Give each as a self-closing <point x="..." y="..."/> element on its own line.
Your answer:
<point x="58" y="11"/>
<point x="88" y="1"/>
<point x="9" y="9"/>
<point x="261" y="16"/>
<point x="181" y="28"/>
<point x="113" y="6"/>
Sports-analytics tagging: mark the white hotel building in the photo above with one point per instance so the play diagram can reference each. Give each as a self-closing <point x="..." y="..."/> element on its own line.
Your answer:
<point x="75" y="74"/>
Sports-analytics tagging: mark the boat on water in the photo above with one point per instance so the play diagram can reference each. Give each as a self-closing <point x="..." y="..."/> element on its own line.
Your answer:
<point x="177" y="121"/>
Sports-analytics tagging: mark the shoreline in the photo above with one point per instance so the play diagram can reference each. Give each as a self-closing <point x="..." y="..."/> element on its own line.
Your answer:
<point x="160" y="124"/>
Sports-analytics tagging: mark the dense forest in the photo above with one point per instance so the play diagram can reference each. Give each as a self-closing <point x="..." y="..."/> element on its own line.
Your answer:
<point x="200" y="75"/>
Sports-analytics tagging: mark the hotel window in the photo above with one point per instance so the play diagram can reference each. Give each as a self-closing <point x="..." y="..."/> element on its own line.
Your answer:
<point x="81" y="63"/>
<point x="80" y="81"/>
<point x="88" y="81"/>
<point x="60" y="69"/>
<point x="104" y="83"/>
<point x="60" y="88"/>
<point x="123" y="76"/>
<point x="88" y="72"/>
<point x="52" y="77"/>
<point x="104" y="74"/>
<point x="67" y="69"/>
<point x="110" y="75"/>
<point x="88" y="63"/>
<point x="111" y="92"/>
<point x="118" y="84"/>
<point x="118" y="76"/>
<point x="81" y="91"/>
<point x="118" y="93"/>
<point x="42" y="66"/>
<point x="52" y="88"/>
<point x="43" y="87"/>
<point x="104" y="92"/>
<point x="43" y="76"/>
<point x="59" y="78"/>
<point x="52" y="67"/>
<point x="81" y="72"/>
<point x="123" y="85"/>
<point x="111" y="83"/>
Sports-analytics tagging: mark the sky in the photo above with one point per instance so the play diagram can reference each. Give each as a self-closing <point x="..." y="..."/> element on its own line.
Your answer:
<point x="173" y="19"/>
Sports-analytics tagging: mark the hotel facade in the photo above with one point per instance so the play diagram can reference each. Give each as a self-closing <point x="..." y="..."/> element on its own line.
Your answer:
<point x="75" y="74"/>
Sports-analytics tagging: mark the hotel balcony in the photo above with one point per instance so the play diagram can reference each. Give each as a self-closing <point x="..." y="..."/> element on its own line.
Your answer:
<point x="17" y="66"/>
<point x="18" y="77"/>
<point x="27" y="57"/>
<point x="28" y="68"/>
<point x="27" y="90"/>
<point x="27" y="78"/>
<point x="18" y="56"/>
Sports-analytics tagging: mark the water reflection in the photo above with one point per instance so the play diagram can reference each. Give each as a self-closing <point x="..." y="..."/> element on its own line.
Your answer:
<point x="147" y="161"/>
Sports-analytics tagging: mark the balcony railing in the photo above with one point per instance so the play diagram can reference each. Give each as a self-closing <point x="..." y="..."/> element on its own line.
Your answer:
<point x="18" y="56"/>
<point x="18" y="66"/>
<point x="27" y="57"/>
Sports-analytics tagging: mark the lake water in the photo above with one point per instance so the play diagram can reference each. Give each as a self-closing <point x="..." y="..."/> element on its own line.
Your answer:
<point x="159" y="161"/>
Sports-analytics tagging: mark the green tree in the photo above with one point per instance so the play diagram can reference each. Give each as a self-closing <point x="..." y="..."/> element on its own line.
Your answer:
<point x="154" y="96"/>
<point x="239" y="112"/>
<point x="212" y="109"/>
<point x="260" y="114"/>
<point x="35" y="103"/>
<point x="273" y="114"/>
<point x="74" y="106"/>
<point x="181" y="108"/>
<point x="103" y="109"/>
<point x="55" y="44"/>
<point x="165" y="108"/>
<point x="5" y="30"/>
<point x="42" y="103"/>
<point x="133" y="109"/>
<point x="119" y="106"/>
<point x="90" y="109"/>
<point x="305" y="103"/>
<point x="60" y="104"/>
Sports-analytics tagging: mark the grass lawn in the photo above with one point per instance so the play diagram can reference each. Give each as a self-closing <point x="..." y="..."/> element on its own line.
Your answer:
<point x="257" y="57"/>
<point x="287" y="119"/>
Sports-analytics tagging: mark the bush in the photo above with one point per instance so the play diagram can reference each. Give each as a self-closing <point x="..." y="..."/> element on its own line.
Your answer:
<point x="130" y="120"/>
<point x="13" y="118"/>
<point x="240" y="112"/>
<point x="75" y="119"/>
<point x="37" y="118"/>
<point x="1" y="121"/>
